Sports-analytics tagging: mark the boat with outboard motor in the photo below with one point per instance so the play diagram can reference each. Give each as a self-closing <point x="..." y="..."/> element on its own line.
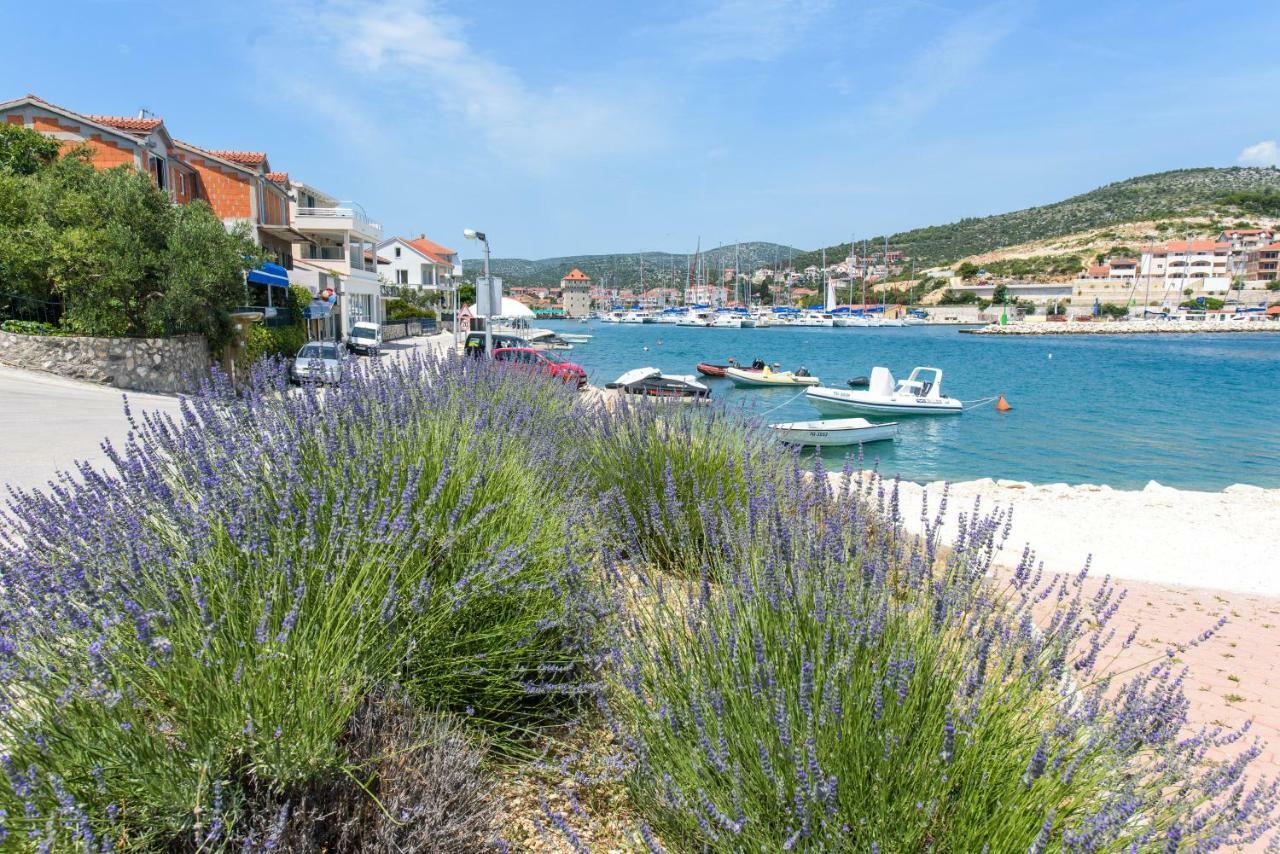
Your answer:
<point x="767" y="377"/>
<point x="918" y="394"/>
<point x="834" y="432"/>
<point x="652" y="383"/>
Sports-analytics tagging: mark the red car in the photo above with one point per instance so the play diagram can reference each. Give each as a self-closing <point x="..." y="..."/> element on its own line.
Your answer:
<point x="541" y="360"/>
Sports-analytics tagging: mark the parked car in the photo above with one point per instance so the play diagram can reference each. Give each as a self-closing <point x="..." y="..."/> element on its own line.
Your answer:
<point x="365" y="337"/>
<point x="319" y="362"/>
<point x="474" y="343"/>
<point x="542" y="361"/>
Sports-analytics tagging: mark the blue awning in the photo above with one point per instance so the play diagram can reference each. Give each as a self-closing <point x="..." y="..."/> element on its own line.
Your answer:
<point x="272" y="275"/>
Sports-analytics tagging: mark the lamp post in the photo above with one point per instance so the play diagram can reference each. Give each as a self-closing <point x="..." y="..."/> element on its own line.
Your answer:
<point x="472" y="234"/>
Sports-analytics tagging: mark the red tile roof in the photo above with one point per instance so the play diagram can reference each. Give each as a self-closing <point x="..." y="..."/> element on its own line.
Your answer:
<point x="250" y="158"/>
<point x="430" y="247"/>
<point x="576" y="275"/>
<point x="126" y="122"/>
<point x="278" y="177"/>
<point x="1099" y="270"/>
<point x="1189" y="246"/>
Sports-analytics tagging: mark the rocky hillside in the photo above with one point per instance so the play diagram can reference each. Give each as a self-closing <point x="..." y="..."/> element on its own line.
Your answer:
<point x="1210" y="194"/>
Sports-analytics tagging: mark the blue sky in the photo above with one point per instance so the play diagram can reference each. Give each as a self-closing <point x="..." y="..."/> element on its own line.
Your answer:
<point x="568" y="126"/>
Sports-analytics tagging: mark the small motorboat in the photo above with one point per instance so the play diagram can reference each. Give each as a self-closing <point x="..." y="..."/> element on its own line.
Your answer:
<point x="651" y="382"/>
<point x="858" y="382"/>
<point x="707" y="369"/>
<point x="769" y="378"/>
<point x="918" y="394"/>
<point x="575" y="337"/>
<point x="834" y="432"/>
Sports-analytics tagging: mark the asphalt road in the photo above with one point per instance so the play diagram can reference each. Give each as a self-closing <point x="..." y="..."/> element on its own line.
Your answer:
<point x="48" y="423"/>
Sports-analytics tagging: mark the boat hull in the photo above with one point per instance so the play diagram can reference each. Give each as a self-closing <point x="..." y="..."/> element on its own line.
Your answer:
<point x="708" y="370"/>
<point x="836" y="433"/>
<point x="758" y="379"/>
<point x="838" y="402"/>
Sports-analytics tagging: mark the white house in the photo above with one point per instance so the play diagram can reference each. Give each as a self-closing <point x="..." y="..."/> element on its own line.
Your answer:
<point x="419" y="263"/>
<point x="1205" y="265"/>
<point x="338" y="253"/>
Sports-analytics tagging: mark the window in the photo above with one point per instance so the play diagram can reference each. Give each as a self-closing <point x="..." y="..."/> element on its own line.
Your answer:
<point x="402" y="276"/>
<point x="397" y="251"/>
<point x="160" y="172"/>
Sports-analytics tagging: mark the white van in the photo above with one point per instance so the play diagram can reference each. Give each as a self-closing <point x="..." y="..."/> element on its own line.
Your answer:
<point x="365" y="338"/>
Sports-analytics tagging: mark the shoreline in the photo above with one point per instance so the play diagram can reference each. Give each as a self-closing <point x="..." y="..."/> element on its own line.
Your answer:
<point x="1208" y="540"/>
<point x="1129" y="327"/>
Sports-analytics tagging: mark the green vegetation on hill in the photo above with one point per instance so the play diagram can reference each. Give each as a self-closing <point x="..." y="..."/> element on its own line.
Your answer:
<point x="1179" y="193"/>
<point x="622" y="270"/>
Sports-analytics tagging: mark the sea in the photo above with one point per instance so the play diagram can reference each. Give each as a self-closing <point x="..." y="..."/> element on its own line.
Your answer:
<point x="1192" y="411"/>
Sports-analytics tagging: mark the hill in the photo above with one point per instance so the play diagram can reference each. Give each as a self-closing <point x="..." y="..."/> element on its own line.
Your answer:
<point x="1210" y="192"/>
<point x="622" y="270"/>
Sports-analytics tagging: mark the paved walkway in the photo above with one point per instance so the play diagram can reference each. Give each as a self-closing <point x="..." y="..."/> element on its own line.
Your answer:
<point x="48" y="423"/>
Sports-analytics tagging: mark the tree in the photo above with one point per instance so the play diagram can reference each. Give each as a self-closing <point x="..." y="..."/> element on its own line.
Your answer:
<point x="967" y="270"/>
<point x="1000" y="293"/>
<point x="25" y="152"/>
<point x="203" y="267"/>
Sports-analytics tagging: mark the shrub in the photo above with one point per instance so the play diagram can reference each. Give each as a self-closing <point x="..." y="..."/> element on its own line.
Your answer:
<point x="263" y="342"/>
<point x="218" y="612"/>
<point x="30" y="327"/>
<point x="413" y="782"/>
<point x="667" y="477"/>
<point x="845" y="690"/>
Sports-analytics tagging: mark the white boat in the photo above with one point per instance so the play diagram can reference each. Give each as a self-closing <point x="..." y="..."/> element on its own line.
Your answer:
<point x="918" y="394"/>
<point x="892" y="321"/>
<point x="768" y="378"/>
<point x="834" y="432"/>
<point x="634" y="317"/>
<point x="611" y="317"/>
<point x="725" y="320"/>
<point x="652" y="383"/>
<point x="576" y="337"/>
<point x="695" y="318"/>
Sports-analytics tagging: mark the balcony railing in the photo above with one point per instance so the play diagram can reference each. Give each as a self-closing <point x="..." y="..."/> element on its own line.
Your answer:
<point x="340" y="218"/>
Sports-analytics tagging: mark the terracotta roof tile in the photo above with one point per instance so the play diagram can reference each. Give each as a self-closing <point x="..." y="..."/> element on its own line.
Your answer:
<point x="278" y="177"/>
<point x="249" y="158"/>
<point x="430" y="247"/>
<point x="126" y="122"/>
<point x="576" y="276"/>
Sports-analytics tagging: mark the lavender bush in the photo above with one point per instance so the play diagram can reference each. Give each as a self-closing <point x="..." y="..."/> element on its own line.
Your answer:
<point x="217" y="611"/>
<point x="845" y="690"/>
<point x="668" y="477"/>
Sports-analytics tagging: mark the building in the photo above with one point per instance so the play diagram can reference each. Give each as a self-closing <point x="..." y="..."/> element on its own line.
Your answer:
<point x="1205" y="265"/>
<point x="1262" y="264"/>
<point x="1244" y="239"/>
<point x="419" y="263"/>
<point x="142" y="141"/>
<point x="1123" y="269"/>
<point x="575" y="294"/>
<point x="337" y="250"/>
<point x="241" y="188"/>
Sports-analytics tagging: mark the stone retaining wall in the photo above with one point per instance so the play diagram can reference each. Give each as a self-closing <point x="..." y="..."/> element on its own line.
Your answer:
<point x="142" y="364"/>
<point x="1128" y="327"/>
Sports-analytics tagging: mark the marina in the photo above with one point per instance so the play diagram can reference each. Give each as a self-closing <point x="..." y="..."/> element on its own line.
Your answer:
<point x="1113" y="410"/>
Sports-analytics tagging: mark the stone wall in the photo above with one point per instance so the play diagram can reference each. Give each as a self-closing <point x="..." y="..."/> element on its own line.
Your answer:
<point x="141" y="364"/>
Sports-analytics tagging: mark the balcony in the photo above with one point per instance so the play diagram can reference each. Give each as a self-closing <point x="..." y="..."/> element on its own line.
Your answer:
<point x="337" y="219"/>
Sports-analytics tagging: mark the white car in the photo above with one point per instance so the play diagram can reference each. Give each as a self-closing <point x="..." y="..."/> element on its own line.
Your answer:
<point x="365" y="337"/>
<point x="318" y="362"/>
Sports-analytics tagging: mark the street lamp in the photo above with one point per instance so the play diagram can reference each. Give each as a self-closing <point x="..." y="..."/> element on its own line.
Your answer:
<point x="472" y="234"/>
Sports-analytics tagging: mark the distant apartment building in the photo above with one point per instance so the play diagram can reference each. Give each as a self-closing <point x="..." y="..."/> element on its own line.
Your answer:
<point x="575" y="294"/>
<point x="337" y="250"/>
<point x="419" y="263"/>
<point x="1244" y="239"/>
<point x="1124" y="269"/>
<point x="1206" y="265"/>
<point x="1262" y="263"/>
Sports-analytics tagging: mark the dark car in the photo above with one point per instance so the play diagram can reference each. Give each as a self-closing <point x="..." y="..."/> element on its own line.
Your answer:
<point x="474" y="343"/>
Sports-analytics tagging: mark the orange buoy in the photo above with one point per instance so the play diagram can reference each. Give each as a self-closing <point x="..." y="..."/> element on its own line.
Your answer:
<point x="1002" y="405"/>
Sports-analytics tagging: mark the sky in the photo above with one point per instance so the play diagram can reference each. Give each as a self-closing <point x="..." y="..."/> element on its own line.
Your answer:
<point x="564" y="127"/>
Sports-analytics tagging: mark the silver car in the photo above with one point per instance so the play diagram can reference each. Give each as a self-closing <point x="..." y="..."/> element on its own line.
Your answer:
<point x="319" y="362"/>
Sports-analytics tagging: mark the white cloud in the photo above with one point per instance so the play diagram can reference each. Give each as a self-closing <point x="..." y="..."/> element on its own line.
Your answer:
<point x="1265" y="153"/>
<point x="760" y="30"/>
<point x="412" y="60"/>
<point x="949" y="62"/>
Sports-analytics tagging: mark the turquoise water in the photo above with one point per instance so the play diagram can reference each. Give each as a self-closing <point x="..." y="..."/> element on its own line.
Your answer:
<point x="1191" y="411"/>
